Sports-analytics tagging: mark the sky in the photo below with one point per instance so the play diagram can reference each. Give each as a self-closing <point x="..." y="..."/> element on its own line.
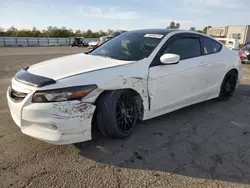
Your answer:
<point x="120" y="14"/>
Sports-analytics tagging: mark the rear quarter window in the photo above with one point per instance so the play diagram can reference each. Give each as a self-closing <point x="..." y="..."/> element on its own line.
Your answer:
<point x="209" y="46"/>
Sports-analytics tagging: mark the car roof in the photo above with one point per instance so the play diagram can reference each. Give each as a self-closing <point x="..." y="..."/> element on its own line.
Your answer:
<point x="154" y="31"/>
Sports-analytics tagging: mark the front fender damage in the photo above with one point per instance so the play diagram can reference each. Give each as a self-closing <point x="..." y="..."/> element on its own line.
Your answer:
<point x="73" y="119"/>
<point x="138" y="84"/>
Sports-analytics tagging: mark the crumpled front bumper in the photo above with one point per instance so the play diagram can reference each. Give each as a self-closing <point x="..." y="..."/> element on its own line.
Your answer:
<point x="57" y="123"/>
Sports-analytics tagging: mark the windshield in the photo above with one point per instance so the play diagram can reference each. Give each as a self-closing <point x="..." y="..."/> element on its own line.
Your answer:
<point x="130" y="46"/>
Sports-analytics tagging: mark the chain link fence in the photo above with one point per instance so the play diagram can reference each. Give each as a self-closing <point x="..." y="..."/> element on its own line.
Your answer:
<point x="35" y="41"/>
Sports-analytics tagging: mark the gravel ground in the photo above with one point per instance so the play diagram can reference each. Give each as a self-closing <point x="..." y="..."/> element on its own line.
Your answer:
<point x="204" y="145"/>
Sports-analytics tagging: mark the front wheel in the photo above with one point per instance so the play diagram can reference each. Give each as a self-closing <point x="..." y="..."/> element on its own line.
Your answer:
<point x="116" y="113"/>
<point x="228" y="86"/>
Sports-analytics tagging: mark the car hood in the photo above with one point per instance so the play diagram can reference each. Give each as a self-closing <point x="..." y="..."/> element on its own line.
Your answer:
<point x="70" y="65"/>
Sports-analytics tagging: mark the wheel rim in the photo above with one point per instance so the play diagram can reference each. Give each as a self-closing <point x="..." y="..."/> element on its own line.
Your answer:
<point x="229" y="86"/>
<point x="125" y="112"/>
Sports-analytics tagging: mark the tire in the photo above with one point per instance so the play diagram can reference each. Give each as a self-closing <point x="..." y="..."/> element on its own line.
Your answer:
<point x="116" y="113"/>
<point x="228" y="86"/>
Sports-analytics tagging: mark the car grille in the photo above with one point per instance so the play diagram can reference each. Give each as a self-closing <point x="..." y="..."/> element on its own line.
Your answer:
<point x="16" y="95"/>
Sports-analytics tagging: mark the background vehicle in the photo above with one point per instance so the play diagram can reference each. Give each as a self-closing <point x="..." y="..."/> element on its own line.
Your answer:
<point x="78" y="41"/>
<point x="247" y="43"/>
<point x="135" y="76"/>
<point x="231" y="43"/>
<point x="245" y="54"/>
<point x="103" y="39"/>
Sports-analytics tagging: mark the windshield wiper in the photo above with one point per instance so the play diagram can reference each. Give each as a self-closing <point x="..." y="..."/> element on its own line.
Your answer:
<point x="116" y="58"/>
<point x="107" y="56"/>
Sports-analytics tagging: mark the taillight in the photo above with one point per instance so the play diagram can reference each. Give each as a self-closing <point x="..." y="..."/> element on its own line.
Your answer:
<point x="241" y="55"/>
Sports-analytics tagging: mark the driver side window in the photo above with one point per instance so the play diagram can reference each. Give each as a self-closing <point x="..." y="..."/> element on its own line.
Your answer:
<point x="187" y="47"/>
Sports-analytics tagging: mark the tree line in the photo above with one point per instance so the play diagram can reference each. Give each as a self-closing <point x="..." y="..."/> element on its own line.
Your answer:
<point x="52" y="32"/>
<point x="65" y="32"/>
<point x="174" y="25"/>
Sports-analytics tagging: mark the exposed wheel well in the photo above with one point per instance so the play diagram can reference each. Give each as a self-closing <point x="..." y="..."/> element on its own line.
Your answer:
<point x="139" y="104"/>
<point x="232" y="70"/>
<point x="134" y="92"/>
<point x="235" y="70"/>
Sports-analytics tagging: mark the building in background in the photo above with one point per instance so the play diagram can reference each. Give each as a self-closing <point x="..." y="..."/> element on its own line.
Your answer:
<point x="217" y="31"/>
<point x="242" y="32"/>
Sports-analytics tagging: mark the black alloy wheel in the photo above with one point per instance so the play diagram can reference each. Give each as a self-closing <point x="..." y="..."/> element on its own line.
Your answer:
<point x="228" y="86"/>
<point x="125" y="112"/>
<point x="116" y="113"/>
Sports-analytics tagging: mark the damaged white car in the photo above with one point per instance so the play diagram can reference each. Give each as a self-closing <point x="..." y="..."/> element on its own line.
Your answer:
<point x="135" y="76"/>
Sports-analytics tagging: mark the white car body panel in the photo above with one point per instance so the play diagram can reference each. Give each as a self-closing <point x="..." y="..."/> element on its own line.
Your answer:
<point x="162" y="89"/>
<point x="72" y="65"/>
<point x="188" y="74"/>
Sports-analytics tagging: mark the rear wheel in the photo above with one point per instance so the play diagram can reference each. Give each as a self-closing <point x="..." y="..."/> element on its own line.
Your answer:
<point x="228" y="86"/>
<point x="116" y="113"/>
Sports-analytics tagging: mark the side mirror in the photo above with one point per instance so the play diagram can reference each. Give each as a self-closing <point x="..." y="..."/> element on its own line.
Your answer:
<point x="170" y="58"/>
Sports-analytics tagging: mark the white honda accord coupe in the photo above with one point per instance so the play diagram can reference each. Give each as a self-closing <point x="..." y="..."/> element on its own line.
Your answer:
<point x="135" y="76"/>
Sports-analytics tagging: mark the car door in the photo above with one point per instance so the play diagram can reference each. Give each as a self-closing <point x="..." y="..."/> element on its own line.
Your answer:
<point x="215" y="65"/>
<point x="176" y="85"/>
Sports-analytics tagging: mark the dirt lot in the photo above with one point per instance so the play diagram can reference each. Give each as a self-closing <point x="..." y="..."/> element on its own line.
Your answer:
<point x="205" y="145"/>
